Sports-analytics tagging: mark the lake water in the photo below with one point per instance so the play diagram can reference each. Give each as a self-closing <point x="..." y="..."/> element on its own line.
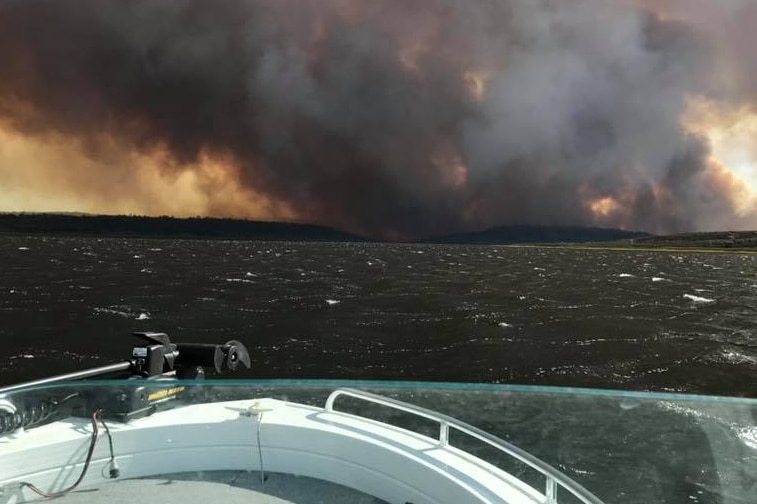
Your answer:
<point x="636" y="320"/>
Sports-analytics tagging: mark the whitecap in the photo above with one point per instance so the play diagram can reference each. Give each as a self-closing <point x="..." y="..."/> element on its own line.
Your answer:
<point x="629" y="404"/>
<point x="23" y="248"/>
<point x="748" y="436"/>
<point x="738" y="358"/>
<point x="332" y="302"/>
<point x="250" y="274"/>
<point x="698" y="299"/>
<point x="659" y="279"/>
<point x="504" y="325"/>
<point x="239" y="280"/>
<point x="143" y="316"/>
<point x="113" y="312"/>
<point x="625" y="275"/>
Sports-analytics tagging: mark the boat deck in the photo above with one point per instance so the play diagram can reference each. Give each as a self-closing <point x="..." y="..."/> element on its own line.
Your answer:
<point x="229" y="487"/>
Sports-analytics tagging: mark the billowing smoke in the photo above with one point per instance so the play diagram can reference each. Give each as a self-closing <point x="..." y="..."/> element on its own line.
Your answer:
<point x="392" y="118"/>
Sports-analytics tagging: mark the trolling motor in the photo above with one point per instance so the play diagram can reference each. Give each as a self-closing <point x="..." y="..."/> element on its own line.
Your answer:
<point x="159" y="365"/>
<point x="161" y="362"/>
<point x="159" y="357"/>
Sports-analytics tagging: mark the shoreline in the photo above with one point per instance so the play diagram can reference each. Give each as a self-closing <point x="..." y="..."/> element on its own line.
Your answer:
<point x="634" y="248"/>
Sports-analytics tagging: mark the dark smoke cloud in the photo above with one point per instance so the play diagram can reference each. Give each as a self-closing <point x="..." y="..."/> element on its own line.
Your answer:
<point x="357" y="113"/>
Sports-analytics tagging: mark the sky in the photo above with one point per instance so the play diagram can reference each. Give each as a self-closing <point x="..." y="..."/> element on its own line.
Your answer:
<point x="389" y="118"/>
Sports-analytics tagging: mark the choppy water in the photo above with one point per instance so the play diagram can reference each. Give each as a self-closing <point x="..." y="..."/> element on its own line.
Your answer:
<point x="632" y="320"/>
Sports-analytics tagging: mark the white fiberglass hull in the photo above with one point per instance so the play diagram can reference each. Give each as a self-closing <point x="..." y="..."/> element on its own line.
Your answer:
<point x="386" y="462"/>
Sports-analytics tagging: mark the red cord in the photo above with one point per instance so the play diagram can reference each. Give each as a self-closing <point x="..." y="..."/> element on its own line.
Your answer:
<point x="92" y="443"/>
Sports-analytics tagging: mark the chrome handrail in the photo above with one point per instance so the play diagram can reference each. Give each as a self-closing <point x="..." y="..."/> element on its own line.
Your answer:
<point x="553" y="477"/>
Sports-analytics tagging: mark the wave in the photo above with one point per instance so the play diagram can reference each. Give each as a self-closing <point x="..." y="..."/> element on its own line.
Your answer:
<point x="124" y="312"/>
<point x="748" y="436"/>
<point x="738" y="358"/>
<point x="111" y="311"/>
<point x="22" y="356"/>
<point x="239" y="280"/>
<point x="698" y="299"/>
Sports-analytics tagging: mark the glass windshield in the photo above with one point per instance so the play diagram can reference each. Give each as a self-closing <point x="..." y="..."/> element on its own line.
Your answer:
<point x="623" y="447"/>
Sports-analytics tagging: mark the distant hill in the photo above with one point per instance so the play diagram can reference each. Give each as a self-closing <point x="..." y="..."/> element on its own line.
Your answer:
<point x="166" y="227"/>
<point x="504" y="235"/>
<point x="75" y="224"/>
<point x="710" y="240"/>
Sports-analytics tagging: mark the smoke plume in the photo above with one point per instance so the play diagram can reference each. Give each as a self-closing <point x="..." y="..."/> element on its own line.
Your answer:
<point x="392" y="118"/>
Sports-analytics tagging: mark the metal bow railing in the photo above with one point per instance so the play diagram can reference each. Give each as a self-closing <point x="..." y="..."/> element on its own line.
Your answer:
<point x="554" y="478"/>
